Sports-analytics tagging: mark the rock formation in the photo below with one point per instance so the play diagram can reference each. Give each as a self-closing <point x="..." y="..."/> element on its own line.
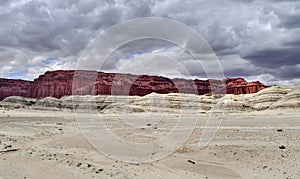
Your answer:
<point x="273" y="98"/>
<point x="70" y="82"/>
<point x="289" y="101"/>
<point x="14" y="88"/>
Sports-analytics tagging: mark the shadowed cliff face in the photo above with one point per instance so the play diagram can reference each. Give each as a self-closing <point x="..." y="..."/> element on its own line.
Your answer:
<point x="63" y="83"/>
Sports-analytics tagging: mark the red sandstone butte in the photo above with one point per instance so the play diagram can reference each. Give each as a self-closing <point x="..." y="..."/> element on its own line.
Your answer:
<point x="70" y="82"/>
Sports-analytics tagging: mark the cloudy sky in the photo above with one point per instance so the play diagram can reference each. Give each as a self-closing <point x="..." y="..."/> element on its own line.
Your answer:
<point x="254" y="39"/>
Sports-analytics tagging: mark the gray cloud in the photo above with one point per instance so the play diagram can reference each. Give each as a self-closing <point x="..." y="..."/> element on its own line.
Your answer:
<point x="251" y="38"/>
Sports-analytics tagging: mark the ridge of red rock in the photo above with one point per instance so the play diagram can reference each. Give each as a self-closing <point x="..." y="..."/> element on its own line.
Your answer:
<point x="10" y="87"/>
<point x="70" y="82"/>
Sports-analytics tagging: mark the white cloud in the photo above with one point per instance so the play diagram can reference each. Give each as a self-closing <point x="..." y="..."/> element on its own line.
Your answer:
<point x="252" y="38"/>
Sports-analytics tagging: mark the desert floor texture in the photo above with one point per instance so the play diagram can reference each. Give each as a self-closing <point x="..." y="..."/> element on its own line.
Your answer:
<point x="36" y="143"/>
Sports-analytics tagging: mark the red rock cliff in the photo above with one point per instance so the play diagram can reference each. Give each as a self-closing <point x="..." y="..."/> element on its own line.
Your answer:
<point x="241" y="86"/>
<point x="61" y="83"/>
<point x="10" y="87"/>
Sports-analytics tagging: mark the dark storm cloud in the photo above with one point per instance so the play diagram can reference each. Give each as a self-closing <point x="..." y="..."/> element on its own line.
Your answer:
<point x="274" y="58"/>
<point x="251" y="38"/>
<point x="291" y="21"/>
<point x="225" y="40"/>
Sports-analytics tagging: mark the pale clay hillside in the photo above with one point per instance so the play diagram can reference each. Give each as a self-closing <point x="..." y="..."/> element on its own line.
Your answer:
<point x="272" y="98"/>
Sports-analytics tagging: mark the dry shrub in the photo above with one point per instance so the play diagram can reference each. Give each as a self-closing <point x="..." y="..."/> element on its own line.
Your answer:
<point x="184" y="150"/>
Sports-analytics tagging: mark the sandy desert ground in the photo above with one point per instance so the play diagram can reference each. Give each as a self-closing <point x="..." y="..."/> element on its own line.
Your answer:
<point x="47" y="143"/>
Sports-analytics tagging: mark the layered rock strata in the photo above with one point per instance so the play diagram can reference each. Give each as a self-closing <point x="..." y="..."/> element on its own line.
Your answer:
<point x="70" y="82"/>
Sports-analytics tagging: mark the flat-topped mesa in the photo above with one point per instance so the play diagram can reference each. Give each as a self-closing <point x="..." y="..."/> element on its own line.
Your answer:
<point x="70" y="82"/>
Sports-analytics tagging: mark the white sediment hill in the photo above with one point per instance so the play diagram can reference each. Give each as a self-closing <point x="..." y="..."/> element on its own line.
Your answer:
<point x="271" y="98"/>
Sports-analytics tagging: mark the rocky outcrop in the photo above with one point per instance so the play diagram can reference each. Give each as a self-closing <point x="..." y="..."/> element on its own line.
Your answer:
<point x="69" y="82"/>
<point x="289" y="101"/>
<point x="265" y="98"/>
<point x="10" y="87"/>
<point x="52" y="84"/>
<point x="241" y="86"/>
<point x="273" y="98"/>
<point x="14" y="102"/>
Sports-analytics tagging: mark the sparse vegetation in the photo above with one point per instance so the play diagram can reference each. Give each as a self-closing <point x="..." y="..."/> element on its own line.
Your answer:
<point x="184" y="150"/>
